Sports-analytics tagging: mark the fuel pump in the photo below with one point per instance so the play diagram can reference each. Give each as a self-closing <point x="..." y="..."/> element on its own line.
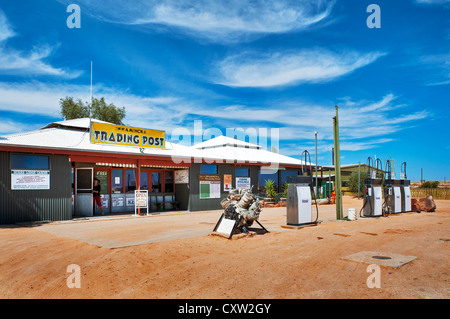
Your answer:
<point x="405" y="190"/>
<point x="392" y="192"/>
<point x="372" y="201"/>
<point x="299" y="196"/>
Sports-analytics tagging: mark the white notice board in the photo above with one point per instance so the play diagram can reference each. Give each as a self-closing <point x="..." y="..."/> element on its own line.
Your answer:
<point x="30" y="180"/>
<point x="140" y="200"/>
<point x="243" y="183"/>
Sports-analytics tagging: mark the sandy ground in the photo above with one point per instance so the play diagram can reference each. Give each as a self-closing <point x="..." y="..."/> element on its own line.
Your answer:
<point x="172" y="255"/>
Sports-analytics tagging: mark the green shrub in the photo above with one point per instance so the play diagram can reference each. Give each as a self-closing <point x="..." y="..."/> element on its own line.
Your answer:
<point x="270" y="188"/>
<point x="430" y="184"/>
<point x="285" y="189"/>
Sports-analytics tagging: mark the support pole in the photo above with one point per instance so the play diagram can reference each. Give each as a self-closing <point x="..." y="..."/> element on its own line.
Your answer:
<point x="359" y="177"/>
<point x="337" y="161"/>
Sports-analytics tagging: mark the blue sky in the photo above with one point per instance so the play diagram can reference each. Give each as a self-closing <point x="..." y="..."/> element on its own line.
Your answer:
<point x="254" y="65"/>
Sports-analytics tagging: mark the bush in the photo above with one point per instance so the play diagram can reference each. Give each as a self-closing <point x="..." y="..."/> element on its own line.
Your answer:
<point x="270" y="188"/>
<point x="353" y="182"/>
<point x="430" y="184"/>
<point x="285" y="189"/>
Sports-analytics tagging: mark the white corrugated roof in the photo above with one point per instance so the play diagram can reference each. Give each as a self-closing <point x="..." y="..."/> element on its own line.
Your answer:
<point x="230" y="149"/>
<point x="222" y="141"/>
<point x="66" y="135"/>
<point x="76" y="123"/>
<point x="73" y="135"/>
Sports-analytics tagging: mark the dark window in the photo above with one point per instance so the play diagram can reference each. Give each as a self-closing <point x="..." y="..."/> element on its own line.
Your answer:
<point x="285" y="174"/>
<point x="144" y="181"/>
<point x="117" y="183"/>
<point x="22" y="161"/>
<point x="242" y="172"/>
<point x="84" y="180"/>
<point x="103" y="179"/>
<point x="130" y="181"/>
<point x="156" y="183"/>
<point x="169" y="181"/>
<point x="265" y="175"/>
<point x="208" y="169"/>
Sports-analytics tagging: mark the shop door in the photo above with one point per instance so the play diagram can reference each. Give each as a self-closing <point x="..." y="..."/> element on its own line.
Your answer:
<point x="103" y="176"/>
<point x="83" y="191"/>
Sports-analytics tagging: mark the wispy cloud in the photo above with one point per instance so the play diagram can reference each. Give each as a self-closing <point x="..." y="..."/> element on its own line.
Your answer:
<point x="277" y="69"/>
<point x="215" y="20"/>
<point x="13" y="62"/>
<point x="433" y="2"/>
<point x="6" y="30"/>
<point x="440" y="65"/>
<point x="43" y="99"/>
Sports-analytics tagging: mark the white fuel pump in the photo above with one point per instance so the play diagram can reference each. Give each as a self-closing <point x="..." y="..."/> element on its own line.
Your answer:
<point x="373" y="197"/>
<point x="299" y="198"/>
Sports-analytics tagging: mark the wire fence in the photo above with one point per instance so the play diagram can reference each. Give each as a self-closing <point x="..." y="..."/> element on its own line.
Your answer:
<point x="436" y="193"/>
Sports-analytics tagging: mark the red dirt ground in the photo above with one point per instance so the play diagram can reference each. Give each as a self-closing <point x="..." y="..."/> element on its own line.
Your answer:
<point x="297" y="263"/>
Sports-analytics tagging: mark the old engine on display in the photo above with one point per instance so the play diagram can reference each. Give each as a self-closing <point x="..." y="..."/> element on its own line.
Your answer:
<point x="242" y="206"/>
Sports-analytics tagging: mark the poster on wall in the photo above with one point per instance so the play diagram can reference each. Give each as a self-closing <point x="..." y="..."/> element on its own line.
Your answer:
<point x="182" y="176"/>
<point x="105" y="202"/>
<point x="243" y="183"/>
<point x="30" y="180"/>
<point x="209" y="189"/>
<point x="117" y="202"/>
<point x="227" y="182"/>
<point x="130" y="201"/>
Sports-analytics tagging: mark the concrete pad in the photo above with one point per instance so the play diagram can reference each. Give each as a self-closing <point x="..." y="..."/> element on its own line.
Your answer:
<point x="381" y="258"/>
<point x="135" y="230"/>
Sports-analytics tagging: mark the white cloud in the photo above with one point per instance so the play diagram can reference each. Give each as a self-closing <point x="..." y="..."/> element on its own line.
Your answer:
<point x="435" y="2"/>
<point x="11" y="127"/>
<point x="6" y="30"/>
<point x="440" y="66"/>
<point x="40" y="98"/>
<point x="13" y="62"/>
<point x="216" y="20"/>
<point x="277" y="69"/>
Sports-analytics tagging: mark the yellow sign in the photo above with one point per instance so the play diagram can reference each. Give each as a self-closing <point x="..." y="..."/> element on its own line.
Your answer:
<point x="128" y="136"/>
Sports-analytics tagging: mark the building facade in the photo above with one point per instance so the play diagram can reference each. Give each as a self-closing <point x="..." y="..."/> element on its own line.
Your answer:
<point x="48" y="174"/>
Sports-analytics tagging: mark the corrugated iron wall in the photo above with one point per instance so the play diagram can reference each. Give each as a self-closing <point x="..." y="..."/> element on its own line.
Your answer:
<point x="197" y="204"/>
<point x="36" y="205"/>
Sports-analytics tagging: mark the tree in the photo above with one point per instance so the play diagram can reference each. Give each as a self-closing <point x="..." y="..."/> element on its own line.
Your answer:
<point x="353" y="182"/>
<point x="71" y="109"/>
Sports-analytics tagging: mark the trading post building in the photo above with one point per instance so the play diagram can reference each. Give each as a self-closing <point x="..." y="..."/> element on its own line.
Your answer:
<point x="48" y="174"/>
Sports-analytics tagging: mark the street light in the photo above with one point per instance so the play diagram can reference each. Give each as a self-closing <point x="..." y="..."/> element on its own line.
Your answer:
<point x="317" y="189"/>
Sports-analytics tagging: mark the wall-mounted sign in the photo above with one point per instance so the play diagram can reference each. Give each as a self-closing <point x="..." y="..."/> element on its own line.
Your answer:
<point x="102" y="133"/>
<point x="243" y="183"/>
<point x="182" y="176"/>
<point x="30" y="180"/>
<point x="227" y="182"/>
<point x="209" y="178"/>
<point x="209" y="189"/>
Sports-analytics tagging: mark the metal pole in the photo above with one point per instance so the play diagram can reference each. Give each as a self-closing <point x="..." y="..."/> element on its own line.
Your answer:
<point x="339" y="208"/>
<point x="317" y="188"/>
<point x="359" y="176"/>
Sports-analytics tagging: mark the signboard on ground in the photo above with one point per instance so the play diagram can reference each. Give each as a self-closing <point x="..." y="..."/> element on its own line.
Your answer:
<point x="141" y="200"/>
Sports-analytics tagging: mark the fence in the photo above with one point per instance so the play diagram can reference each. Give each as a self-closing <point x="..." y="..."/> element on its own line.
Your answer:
<point x="437" y="193"/>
